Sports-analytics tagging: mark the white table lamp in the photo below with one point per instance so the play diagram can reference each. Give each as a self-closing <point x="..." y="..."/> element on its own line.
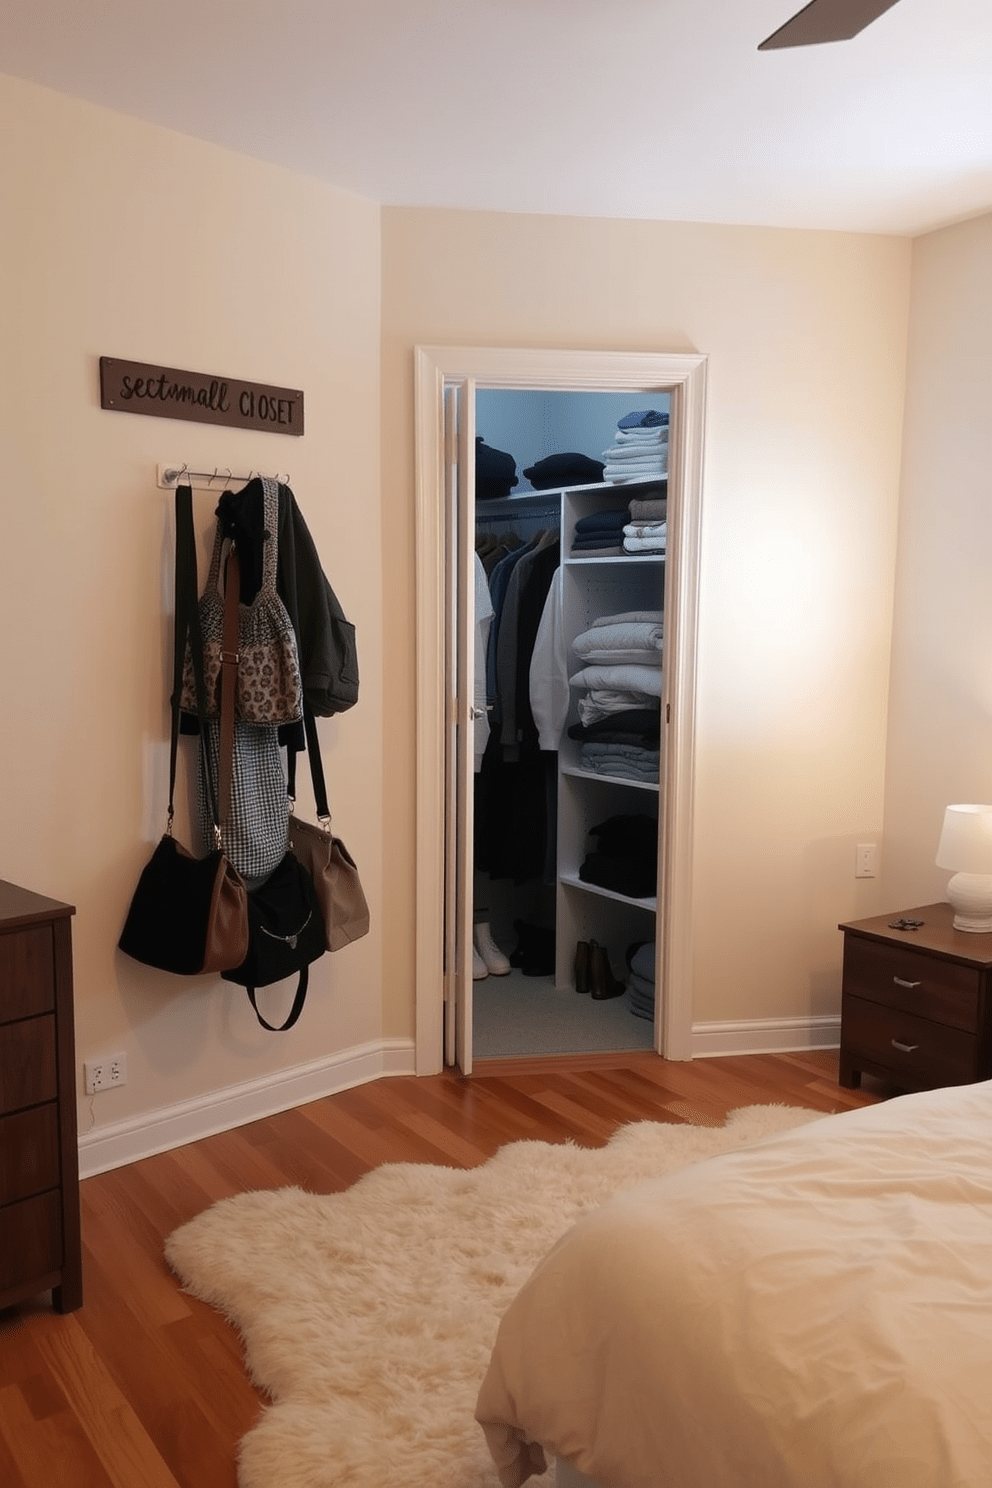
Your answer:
<point x="966" y="847"/>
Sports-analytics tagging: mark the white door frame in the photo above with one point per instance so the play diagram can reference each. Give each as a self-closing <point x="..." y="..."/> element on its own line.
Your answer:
<point x="684" y="377"/>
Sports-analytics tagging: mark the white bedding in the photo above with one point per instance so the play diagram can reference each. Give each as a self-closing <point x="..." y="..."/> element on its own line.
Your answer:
<point x="814" y="1311"/>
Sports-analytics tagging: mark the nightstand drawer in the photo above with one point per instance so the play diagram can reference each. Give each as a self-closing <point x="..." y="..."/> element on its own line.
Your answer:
<point x="29" y="1153"/>
<point x="27" y="973"/>
<point x="27" y="1063"/>
<point x="918" y="1053"/>
<point x="30" y="1240"/>
<point x="908" y="979"/>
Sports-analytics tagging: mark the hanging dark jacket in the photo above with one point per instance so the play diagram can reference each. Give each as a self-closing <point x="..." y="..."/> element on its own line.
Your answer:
<point x="325" y="639"/>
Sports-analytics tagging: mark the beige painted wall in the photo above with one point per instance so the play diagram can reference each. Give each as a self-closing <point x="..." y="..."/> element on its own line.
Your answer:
<point x="126" y="240"/>
<point x="805" y="334"/>
<point x="941" y="702"/>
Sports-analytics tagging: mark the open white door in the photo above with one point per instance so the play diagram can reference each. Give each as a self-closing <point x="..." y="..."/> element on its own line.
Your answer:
<point x="459" y="489"/>
<point x="445" y="555"/>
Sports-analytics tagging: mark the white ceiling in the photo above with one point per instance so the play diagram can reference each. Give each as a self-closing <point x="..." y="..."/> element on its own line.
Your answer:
<point x="617" y="108"/>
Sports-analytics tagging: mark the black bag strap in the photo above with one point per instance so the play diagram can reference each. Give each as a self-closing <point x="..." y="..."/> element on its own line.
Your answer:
<point x="228" y="682"/>
<point x="316" y="766"/>
<point x="295" y="1010"/>
<point x="187" y="624"/>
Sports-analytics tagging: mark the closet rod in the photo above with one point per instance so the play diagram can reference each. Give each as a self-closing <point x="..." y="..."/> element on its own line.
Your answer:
<point x="169" y="476"/>
<point x="484" y="518"/>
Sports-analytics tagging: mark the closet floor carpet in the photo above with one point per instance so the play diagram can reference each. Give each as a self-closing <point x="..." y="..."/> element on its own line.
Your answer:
<point x="516" y="1015"/>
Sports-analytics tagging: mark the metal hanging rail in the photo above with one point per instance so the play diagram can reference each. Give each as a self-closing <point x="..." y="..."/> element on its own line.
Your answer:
<point x="170" y="476"/>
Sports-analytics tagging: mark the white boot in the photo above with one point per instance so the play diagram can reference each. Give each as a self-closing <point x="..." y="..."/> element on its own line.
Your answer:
<point x="479" y="968"/>
<point x="492" y="957"/>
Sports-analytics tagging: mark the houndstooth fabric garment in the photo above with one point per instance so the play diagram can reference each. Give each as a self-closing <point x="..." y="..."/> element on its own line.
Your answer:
<point x="257" y="833"/>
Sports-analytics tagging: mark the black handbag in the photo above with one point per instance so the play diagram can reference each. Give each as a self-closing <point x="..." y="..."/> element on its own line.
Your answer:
<point x="187" y="915"/>
<point x="286" y="934"/>
<point x="285" y="927"/>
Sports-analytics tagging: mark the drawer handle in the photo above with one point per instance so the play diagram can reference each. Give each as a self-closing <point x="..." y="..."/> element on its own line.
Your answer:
<point x="901" y="982"/>
<point x="904" y="1048"/>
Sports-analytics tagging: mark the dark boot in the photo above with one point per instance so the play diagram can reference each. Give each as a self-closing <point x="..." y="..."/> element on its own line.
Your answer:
<point x="582" y="966"/>
<point x="602" y="982"/>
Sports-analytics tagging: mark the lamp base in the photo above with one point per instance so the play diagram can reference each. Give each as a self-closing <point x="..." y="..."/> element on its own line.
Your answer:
<point x="970" y="895"/>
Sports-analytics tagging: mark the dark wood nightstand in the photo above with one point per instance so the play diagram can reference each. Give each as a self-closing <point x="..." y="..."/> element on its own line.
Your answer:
<point x="39" y="1162"/>
<point x="916" y="1006"/>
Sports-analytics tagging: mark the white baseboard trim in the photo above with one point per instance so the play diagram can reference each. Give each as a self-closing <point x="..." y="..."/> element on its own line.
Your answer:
<point x="764" y="1036"/>
<point x="135" y="1137"/>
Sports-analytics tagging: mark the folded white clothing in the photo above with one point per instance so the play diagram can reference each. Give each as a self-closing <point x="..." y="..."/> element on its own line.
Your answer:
<point x="601" y="703"/>
<point x="636" y="469"/>
<point x="646" y="529"/>
<point x="618" y="477"/>
<point x="645" y="544"/>
<point x="636" y="452"/>
<point x="634" y="656"/>
<point x="622" y="677"/>
<point x="642" y="436"/>
<point x="647" y="617"/>
<point x="632" y="635"/>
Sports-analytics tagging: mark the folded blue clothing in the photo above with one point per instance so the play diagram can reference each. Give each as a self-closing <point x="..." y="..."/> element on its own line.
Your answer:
<point x="642" y="962"/>
<point x="621" y="770"/>
<point x="638" y="998"/>
<point x="647" y="418"/>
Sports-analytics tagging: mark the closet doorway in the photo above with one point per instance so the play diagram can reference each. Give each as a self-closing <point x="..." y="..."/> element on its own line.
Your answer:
<point x="447" y="382"/>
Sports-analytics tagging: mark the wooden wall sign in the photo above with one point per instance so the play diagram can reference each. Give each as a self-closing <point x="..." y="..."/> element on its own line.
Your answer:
<point x="198" y="397"/>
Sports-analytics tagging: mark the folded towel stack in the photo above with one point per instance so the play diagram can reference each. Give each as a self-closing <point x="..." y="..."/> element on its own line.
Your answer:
<point x="621" y="671"/>
<point x="641" y="448"/>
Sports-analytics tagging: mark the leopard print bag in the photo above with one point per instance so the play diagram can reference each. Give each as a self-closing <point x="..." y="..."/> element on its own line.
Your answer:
<point x="269" y="688"/>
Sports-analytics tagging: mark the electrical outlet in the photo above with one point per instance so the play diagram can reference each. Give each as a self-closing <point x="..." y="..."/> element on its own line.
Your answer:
<point x="101" y="1074"/>
<point x="864" y="860"/>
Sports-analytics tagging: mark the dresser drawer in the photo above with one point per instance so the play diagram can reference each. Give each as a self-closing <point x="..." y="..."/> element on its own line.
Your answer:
<point x="919" y="1054"/>
<point x="27" y="1063"/>
<point x="913" y="982"/>
<point x="29" y="1153"/>
<point x="27" y="972"/>
<point x="30" y="1240"/>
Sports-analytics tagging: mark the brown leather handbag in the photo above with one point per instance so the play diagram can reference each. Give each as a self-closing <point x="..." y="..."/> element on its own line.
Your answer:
<point x="335" y="876"/>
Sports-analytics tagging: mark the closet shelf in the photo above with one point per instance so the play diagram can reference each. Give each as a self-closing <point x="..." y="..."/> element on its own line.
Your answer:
<point x="572" y="881"/>
<point x="580" y="774"/>
<point x="631" y="559"/>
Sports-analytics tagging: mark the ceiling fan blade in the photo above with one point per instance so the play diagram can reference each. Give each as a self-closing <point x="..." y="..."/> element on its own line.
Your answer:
<point x="826" y="20"/>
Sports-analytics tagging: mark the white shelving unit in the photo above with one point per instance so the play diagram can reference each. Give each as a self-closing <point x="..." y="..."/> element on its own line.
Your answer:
<point x="594" y="587"/>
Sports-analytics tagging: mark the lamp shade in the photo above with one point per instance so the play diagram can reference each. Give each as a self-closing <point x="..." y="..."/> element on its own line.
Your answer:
<point x="966" y="839"/>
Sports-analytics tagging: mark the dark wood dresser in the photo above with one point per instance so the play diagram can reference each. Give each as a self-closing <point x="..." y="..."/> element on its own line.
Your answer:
<point x="39" y="1161"/>
<point x="916" y="1005"/>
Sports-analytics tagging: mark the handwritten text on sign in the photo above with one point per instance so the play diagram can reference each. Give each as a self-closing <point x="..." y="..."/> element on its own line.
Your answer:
<point x="165" y="392"/>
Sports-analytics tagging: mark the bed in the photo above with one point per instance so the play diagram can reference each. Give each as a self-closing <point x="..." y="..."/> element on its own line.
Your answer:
<point x="814" y="1311"/>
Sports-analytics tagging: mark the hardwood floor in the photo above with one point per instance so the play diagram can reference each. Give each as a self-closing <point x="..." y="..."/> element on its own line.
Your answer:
<point x="145" y="1387"/>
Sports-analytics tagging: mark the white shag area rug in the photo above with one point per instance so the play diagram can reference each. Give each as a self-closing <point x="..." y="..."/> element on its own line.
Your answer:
<point x="368" y="1316"/>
